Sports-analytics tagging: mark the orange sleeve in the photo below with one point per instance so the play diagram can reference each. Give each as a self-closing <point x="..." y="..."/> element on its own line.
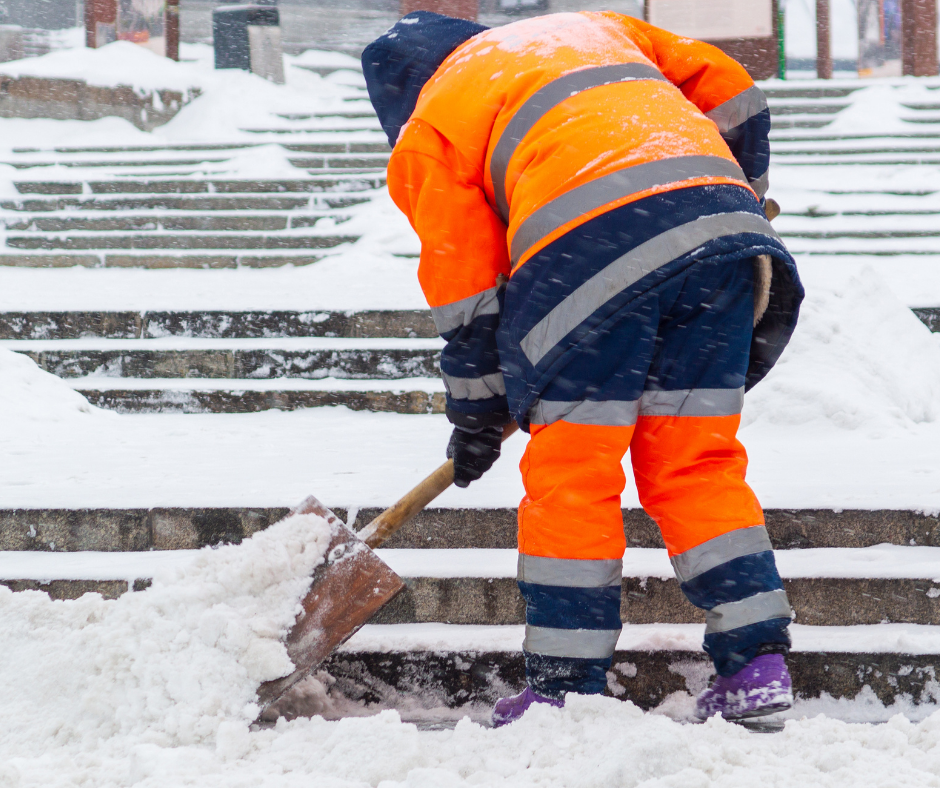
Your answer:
<point x="463" y="241"/>
<point x="706" y="76"/>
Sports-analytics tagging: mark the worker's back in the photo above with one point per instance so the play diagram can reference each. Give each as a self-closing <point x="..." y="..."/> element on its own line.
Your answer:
<point x="546" y="105"/>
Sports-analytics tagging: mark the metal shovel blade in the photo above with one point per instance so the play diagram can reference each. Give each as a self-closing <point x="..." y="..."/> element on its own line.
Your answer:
<point x="346" y="591"/>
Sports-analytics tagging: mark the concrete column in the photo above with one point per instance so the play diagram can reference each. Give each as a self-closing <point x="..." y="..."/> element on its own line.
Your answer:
<point x="171" y="29"/>
<point x="919" y="38"/>
<point x="463" y="9"/>
<point x="823" y="40"/>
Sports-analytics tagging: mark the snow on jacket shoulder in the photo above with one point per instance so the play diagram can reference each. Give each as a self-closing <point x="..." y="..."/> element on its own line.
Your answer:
<point x="526" y="133"/>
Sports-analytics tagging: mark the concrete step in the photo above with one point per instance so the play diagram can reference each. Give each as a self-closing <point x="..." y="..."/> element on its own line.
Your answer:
<point x="163" y="222"/>
<point x="409" y="396"/>
<point x="256" y="359"/>
<point x="169" y="528"/>
<point x="783" y="108"/>
<point x="370" y="324"/>
<point x="331" y="146"/>
<point x="800" y="122"/>
<point x="783" y="150"/>
<point x="172" y="202"/>
<point x="376" y="324"/>
<point x="168" y="240"/>
<point x="337" y="161"/>
<point x="783" y="93"/>
<point x="465" y="667"/>
<point x="809" y="137"/>
<point x="881" y="159"/>
<point x="155" y="259"/>
<point x="478" y="587"/>
<point x="373" y="324"/>
<point x="203" y="186"/>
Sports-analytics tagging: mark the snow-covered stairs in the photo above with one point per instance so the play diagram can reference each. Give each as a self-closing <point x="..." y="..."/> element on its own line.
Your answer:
<point x="866" y="616"/>
<point x="236" y="362"/>
<point x="452" y="636"/>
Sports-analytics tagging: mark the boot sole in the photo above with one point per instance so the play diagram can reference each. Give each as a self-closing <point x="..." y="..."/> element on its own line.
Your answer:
<point x="763" y="711"/>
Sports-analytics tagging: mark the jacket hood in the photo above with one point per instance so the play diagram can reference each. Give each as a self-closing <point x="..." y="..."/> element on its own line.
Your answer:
<point x="398" y="63"/>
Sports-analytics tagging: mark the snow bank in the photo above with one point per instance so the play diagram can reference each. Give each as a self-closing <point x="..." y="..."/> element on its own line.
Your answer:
<point x="859" y="360"/>
<point x="119" y="63"/>
<point x="28" y="393"/>
<point x="175" y="665"/>
<point x="230" y="100"/>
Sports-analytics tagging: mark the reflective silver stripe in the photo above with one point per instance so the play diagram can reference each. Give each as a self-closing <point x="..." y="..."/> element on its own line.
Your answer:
<point x="599" y="192"/>
<point x="461" y="313"/>
<point x="762" y="184"/>
<point x="630" y="268"/>
<point x="753" y="610"/>
<point x="737" y="110"/>
<point x="475" y="388"/>
<point x="577" y="643"/>
<point x="720" y="550"/>
<point x="570" y="573"/>
<point x="609" y="413"/>
<point x="692" y="402"/>
<point x="546" y="98"/>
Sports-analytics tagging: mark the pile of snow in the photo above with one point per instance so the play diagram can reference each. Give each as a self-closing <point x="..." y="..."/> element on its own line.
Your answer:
<point x="29" y="393"/>
<point x="175" y="665"/>
<point x="119" y="63"/>
<point x="229" y="101"/>
<point x="859" y="359"/>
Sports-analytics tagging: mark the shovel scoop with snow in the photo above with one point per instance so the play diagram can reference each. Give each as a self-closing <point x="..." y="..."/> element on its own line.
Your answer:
<point x="352" y="583"/>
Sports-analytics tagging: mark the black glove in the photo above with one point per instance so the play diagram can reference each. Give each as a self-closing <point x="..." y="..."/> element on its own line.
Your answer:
<point x="473" y="452"/>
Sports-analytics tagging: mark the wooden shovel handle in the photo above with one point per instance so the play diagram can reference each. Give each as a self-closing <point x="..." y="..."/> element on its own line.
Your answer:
<point x="393" y="518"/>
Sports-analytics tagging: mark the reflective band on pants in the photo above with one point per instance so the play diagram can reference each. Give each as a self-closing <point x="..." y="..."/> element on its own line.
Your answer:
<point x="629" y="269"/>
<point x="461" y="313"/>
<point x="615" y="186"/>
<point x="720" y="550"/>
<point x="692" y="402"/>
<point x="609" y="413"/>
<point x="753" y="610"/>
<point x="570" y="572"/>
<point x="545" y="99"/>
<point x="475" y="388"/>
<point x="576" y="643"/>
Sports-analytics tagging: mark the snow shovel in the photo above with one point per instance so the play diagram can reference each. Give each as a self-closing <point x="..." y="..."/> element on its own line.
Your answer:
<point x="352" y="583"/>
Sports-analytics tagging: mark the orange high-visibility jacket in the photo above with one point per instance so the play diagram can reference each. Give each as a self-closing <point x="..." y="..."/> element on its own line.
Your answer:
<point x="528" y="132"/>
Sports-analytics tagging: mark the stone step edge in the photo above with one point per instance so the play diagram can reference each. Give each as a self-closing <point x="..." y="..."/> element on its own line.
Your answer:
<point x="175" y="528"/>
<point x="246" y="324"/>
<point x="221" y="324"/>
<point x="477" y="678"/>
<point x="157" y="259"/>
<point x="830" y="602"/>
<point x="243" y="399"/>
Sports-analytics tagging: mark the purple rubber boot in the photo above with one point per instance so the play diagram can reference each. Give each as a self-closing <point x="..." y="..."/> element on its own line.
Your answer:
<point x="761" y="687"/>
<point x="511" y="709"/>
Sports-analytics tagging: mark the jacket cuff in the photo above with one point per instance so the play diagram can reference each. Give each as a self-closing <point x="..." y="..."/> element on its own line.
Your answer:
<point x="493" y="418"/>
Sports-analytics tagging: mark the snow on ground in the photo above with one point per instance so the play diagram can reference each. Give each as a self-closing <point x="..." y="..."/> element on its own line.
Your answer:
<point x="593" y="742"/>
<point x="100" y="687"/>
